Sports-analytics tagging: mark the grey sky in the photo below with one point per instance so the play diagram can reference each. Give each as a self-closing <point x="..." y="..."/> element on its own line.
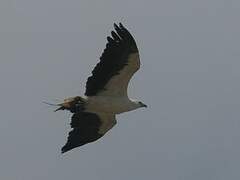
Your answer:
<point x="189" y="79"/>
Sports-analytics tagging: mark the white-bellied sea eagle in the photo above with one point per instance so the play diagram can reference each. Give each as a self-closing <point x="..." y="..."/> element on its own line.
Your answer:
<point x="106" y="91"/>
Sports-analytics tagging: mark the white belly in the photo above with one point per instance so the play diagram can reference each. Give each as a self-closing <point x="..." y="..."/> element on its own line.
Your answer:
<point x="105" y="104"/>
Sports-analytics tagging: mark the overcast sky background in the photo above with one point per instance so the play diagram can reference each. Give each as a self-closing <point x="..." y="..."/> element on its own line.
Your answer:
<point x="190" y="75"/>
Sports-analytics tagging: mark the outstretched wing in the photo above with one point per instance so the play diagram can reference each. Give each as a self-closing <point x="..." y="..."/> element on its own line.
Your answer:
<point x="88" y="127"/>
<point x="119" y="61"/>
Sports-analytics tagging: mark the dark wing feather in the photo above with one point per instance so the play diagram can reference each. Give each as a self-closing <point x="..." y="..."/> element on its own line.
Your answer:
<point x="88" y="127"/>
<point x="85" y="130"/>
<point x="113" y="60"/>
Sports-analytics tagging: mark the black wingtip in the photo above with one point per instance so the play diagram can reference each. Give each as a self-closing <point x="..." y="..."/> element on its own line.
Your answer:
<point x="65" y="149"/>
<point x="120" y="25"/>
<point x="115" y="25"/>
<point x="115" y="36"/>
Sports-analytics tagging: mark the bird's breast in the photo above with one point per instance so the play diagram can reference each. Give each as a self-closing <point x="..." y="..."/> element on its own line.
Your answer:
<point x="114" y="105"/>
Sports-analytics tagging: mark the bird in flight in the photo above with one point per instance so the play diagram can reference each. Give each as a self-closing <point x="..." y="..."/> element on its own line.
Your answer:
<point x="106" y="91"/>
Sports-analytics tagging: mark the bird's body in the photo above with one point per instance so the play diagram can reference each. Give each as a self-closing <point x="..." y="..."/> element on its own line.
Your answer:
<point x="106" y="91"/>
<point x="115" y="105"/>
